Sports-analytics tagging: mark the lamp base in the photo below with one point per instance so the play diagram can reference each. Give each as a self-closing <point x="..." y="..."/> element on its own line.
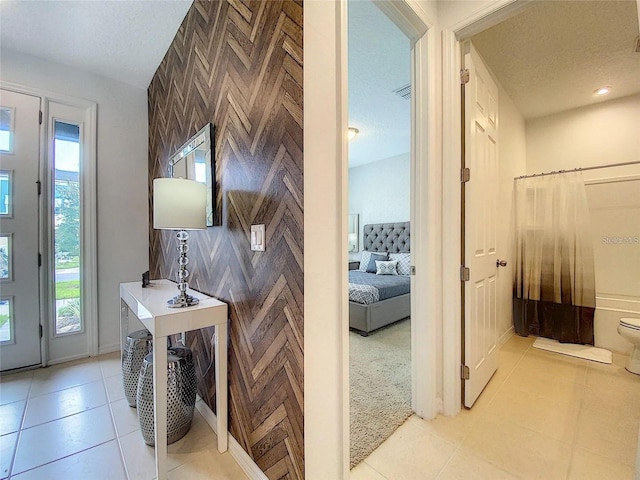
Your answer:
<point x="180" y="301"/>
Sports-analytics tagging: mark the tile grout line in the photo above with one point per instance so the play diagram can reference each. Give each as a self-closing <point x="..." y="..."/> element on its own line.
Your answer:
<point x="13" y="457"/>
<point x="374" y="469"/>
<point x="449" y="460"/>
<point x="66" y="416"/>
<point x="67" y="388"/>
<point x="505" y="380"/>
<point x="500" y="467"/>
<point x="575" y="432"/>
<point x="477" y="418"/>
<point x="29" y="397"/>
<point x="113" y="422"/>
<point x="61" y="458"/>
<point x="19" y="437"/>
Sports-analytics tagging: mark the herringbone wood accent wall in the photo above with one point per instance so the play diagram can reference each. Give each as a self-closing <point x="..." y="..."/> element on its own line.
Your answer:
<point x="238" y="65"/>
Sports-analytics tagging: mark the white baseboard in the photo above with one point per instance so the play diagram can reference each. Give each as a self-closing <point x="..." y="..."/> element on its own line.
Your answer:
<point x="101" y="351"/>
<point x="70" y="358"/>
<point x="506" y="336"/>
<point x="245" y="462"/>
<point x="114" y="347"/>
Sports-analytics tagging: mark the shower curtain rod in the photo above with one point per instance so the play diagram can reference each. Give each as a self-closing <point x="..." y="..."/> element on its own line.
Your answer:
<point x="576" y="170"/>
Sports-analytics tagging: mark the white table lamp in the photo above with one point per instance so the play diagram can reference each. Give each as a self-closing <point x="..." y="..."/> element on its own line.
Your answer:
<point x="180" y="204"/>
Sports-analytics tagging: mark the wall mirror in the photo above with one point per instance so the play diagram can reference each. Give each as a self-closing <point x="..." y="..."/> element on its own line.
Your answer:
<point x="194" y="161"/>
<point x="353" y="233"/>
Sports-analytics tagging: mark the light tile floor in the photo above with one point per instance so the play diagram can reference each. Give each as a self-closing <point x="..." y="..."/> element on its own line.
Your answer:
<point x="72" y="421"/>
<point x="542" y="416"/>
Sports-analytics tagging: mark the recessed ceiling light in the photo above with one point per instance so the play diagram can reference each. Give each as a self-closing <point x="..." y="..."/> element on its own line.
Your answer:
<point x="603" y="91"/>
<point x="352" y="133"/>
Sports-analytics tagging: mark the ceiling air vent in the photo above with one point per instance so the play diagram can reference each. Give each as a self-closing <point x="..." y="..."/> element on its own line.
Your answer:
<point x="404" y="92"/>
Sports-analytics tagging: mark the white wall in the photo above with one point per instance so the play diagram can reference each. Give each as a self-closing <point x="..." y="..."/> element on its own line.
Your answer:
<point x="512" y="152"/>
<point x="326" y="363"/>
<point x="122" y="169"/>
<point x="380" y="192"/>
<point x="601" y="134"/>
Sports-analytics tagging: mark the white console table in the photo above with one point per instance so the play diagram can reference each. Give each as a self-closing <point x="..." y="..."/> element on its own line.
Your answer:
<point x="149" y="305"/>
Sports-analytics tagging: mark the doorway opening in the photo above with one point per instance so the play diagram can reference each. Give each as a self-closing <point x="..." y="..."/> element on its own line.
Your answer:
<point x="551" y="118"/>
<point x="380" y="209"/>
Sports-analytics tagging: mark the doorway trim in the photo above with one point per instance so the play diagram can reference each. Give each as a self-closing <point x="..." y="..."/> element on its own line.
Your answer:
<point x="89" y="219"/>
<point x="424" y="211"/>
<point x="452" y="318"/>
<point x="326" y="347"/>
<point x="61" y="346"/>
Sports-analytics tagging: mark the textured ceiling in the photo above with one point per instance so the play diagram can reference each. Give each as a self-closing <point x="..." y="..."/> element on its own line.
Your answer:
<point x="120" y="39"/>
<point x="552" y="57"/>
<point x="379" y="63"/>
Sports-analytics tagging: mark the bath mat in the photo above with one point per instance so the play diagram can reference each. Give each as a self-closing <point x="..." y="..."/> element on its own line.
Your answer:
<point x="587" y="352"/>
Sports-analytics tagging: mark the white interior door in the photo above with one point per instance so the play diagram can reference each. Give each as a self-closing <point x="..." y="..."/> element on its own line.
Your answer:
<point x="481" y="157"/>
<point x="19" y="219"/>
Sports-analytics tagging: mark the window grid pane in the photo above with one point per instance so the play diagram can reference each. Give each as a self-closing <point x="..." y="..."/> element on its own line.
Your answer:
<point x="67" y="226"/>
<point x="6" y="129"/>
<point x="6" y="193"/>
<point x="6" y="256"/>
<point x="6" y="320"/>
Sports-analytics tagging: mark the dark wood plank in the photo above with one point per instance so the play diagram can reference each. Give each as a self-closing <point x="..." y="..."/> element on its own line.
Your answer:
<point x="238" y="65"/>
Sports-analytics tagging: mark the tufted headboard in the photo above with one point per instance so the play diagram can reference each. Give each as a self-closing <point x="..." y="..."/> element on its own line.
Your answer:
<point x="387" y="237"/>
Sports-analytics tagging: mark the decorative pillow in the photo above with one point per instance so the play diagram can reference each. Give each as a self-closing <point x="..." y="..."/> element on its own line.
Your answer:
<point x="404" y="262"/>
<point x="366" y="264"/>
<point x="386" y="268"/>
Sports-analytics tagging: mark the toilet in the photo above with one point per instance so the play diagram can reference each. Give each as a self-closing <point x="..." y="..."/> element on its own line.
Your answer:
<point x="629" y="328"/>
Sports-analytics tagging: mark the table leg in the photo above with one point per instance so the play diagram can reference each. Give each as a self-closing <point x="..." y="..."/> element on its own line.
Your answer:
<point x="160" y="405"/>
<point x="221" y="340"/>
<point x="124" y="324"/>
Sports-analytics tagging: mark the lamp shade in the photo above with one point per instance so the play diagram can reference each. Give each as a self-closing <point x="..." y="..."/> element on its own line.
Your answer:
<point x="179" y="204"/>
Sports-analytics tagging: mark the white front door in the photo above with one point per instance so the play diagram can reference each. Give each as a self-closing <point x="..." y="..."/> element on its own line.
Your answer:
<point x="19" y="236"/>
<point x="480" y="193"/>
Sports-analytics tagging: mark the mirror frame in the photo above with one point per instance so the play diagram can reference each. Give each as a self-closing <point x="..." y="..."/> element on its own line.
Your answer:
<point x="204" y="140"/>
<point x="353" y="229"/>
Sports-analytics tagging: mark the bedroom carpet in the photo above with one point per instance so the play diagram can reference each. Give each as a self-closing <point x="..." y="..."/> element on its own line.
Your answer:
<point x="380" y="381"/>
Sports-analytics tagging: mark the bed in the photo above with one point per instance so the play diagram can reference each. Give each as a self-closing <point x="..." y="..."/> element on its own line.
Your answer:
<point x="379" y="300"/>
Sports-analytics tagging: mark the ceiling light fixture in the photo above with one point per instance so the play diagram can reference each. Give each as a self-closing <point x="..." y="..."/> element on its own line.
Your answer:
<point x="352" y="133"/>
<point x="603" y="91"/>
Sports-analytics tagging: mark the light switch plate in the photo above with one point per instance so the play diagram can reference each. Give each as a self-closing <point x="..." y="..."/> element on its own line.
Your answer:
<point x="258" y="239"/>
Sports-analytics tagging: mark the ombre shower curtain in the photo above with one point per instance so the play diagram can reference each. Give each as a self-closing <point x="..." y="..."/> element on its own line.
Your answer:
<point x="554" y="284"/>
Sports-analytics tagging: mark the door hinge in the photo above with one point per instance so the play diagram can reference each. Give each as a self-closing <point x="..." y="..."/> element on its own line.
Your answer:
<point x="39" y="259"/>
<point x="40" y="326"/>
<point x="40" y="117"/>
<point x="464" y="372"/>
<point x="413" y="270"/>
<point x="464" y="76"/>
<point x="465" y="175"/>
<point x="464" y="274"/>
<point x="39" y="187"/>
